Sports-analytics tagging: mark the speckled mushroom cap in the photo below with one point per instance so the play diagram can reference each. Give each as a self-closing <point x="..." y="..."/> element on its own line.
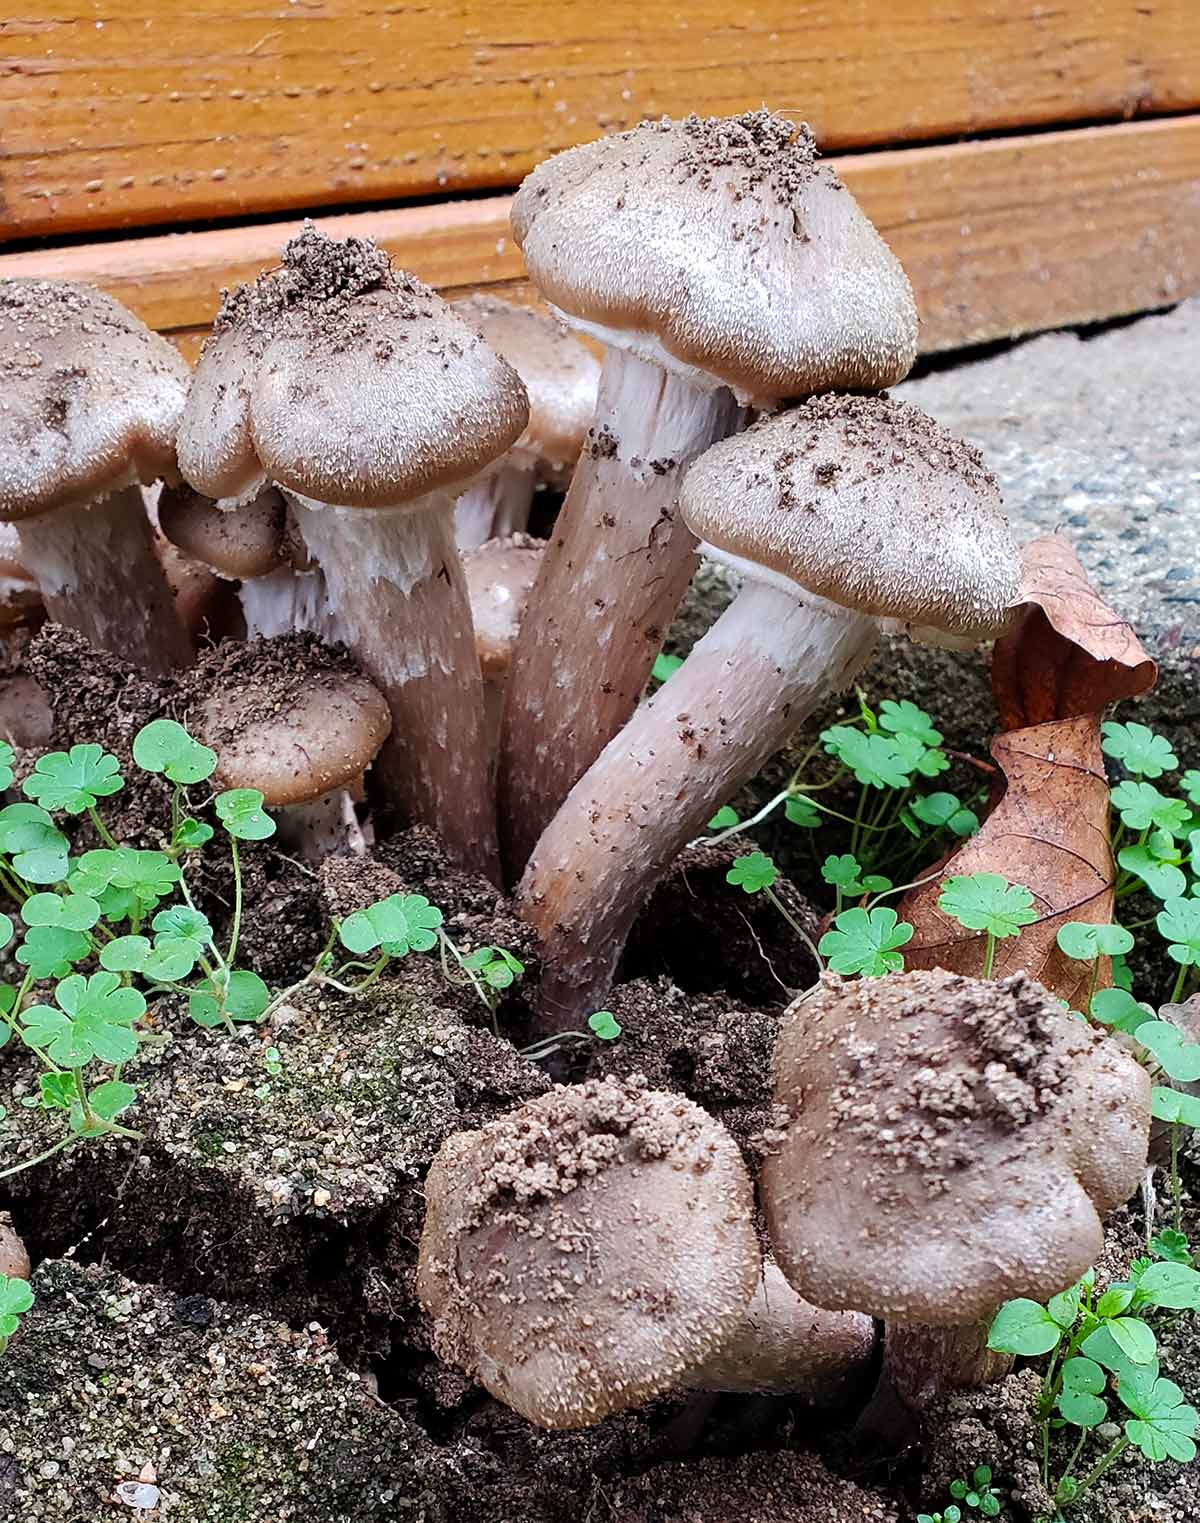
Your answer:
<point x="950" y="1144"/>
<point x="869" y="504"/>
<point x="585" y="1250"/>
<point x="287" y="716"/>
<point x="726" y="247"/>
<point x="500" y="576"/>
<point x="346" y="381"/>
<point x="245" y="541"/>
<point x="560" y="374"/>
<point x="90" y="398"/>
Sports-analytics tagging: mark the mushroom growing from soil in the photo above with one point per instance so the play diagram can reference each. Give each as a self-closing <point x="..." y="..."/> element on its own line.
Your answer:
<point x="500" y="576"/>
<point x="357" y="391"/>
<point x="583" y="1252"/>
<point x="90" y="400"/>
<point x="949" y="1143"/>
<point x="14" y="1258"/>
<point x="560" y="374"/>
<point x="295" y="720"/>
<point x="843" y="515"/>
<point x="723" y="266"/>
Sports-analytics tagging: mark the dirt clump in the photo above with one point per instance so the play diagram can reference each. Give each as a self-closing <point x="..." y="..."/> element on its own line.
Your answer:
<point x="781" y="1487"/>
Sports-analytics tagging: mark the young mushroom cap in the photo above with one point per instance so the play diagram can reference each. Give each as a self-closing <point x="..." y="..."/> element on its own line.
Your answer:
<point x="500" y="576"/>
<point x="950" y="1143"/>
<point x="288" y="717"/>
<point x="583" y="1252"/>
<point x="868" y="504"/>
<point x="559" y="373"/>
<point x="722" y="248"/>
<point x="241" y="542"/>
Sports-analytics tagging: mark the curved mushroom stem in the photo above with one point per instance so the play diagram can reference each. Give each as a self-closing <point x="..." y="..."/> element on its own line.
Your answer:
<point x="496" y="506"/>
<point x="758" y="673"/>
<point x="99" y="573"/>
<point x="396" y="586"/>
<point x="925" y="1362"/>
<point x="611" y="578"/>
<point x="323" y="827"/>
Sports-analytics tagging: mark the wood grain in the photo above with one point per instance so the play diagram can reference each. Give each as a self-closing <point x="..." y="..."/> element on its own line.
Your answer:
<point x="999" y="238"/>
<point x="125" y="113"/>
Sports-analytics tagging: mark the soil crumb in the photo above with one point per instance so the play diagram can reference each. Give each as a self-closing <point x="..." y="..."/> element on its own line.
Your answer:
<point x="783" y="1487"/>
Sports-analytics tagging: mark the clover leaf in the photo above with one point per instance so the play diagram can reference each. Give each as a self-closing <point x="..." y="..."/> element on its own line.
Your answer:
<point x="1172" y="1246"/>
<point x="74" y="780"/>
<point x="752" y="873"/>
<point x="1142" y="806"/>
<point x="110" y="1099"/>
<point x="1118" y="1008"/>
<point x="1139" y="750"/>
<point x="914" y="756"/>
<point x="1085" y="942"/>
<point x="1024" y="1327"/>
<point x="988" y="902"/>
<point x="7" y="757"/>
<point x="1174" y="1053"/>
<point x="236" y="996"/>
<point x="1132" y="1337"/>
<point x="943" y="811"/>
<point x="497" y="967"/>
<point x="865" y="941"/>
<point x="875" y="760"/>
<point x="1163" y="879"/>
<point x="15" y="1299"/>
<point x="905" y="718"/>
<point x="1079" y="1400"/>
<point x="664" y="666"/>
<point x="1190" y="783"/>
<point x="37" y="847"/>
<point x="1101" y="1346"/>
<point x="241" y="812"/>
<point x="72" y="912"/>
<point x="1175" y="1286"/>
<point x="1179" y="924"/>
<point x="49" y="951"/>
<point x="92" y="1021"/>
<point x="724" y="819"/>
<point x="397" y="925"/>
<point x="125" y="954"/>
<point x="1163" y="1425"/>
<point x="604" y="1024"/>
<point x="801" y="812"/>
<point x="190" y="834"/>
<point x="166" y="747"/>
<point x="1175" y="1106"/>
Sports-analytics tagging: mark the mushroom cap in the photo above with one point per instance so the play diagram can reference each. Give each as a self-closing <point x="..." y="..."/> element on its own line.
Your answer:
<point x="724" y="243"/>
<point x="90" y="398"/>
<point x="950" y="1143"/>
<point x="241" y="542"/>
<point x="289" y="717"/>
<point x="584" y="1251"/>
<point x="346" y="381"/>
<point x="500" y="576"/>
<point x="869" y="504"/>
<point x="559" y="372"/>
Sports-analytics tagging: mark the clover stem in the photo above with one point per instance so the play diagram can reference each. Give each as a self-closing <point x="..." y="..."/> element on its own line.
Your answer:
<point x="1095" y="980"/>
<point x="858" y="820"/>
<point x="236" y="929"/>
<point x="81" y="1090"/>
<point x="1104" y="1465"/>
<point x="1177" y="991"/>
<point x="796" y="926"/>
<point x="1075" y="1453"/>
<point x="902" y="888"/>
<point x="488" y="1005"/>
<point x="101" y="828"/>
<point x="1176" y="1191"/>
<point x="989" y="956"/>
<point x="32" y="1163"/>
<point x="755" y="819"/>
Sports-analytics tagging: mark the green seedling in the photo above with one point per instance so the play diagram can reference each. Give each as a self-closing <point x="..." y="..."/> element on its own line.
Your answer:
<point x="988" y="902"/>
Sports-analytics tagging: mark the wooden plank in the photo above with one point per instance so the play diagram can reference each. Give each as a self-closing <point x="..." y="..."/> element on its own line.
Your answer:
<point x="1000" y="237"/>
<point x="123" y="113"/>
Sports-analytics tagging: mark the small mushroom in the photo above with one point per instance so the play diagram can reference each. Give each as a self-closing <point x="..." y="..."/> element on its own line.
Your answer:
<point x="560" y="375"/>
<point x="844" y="515"/>
<point x="582" y="1253"/>
<point x="950" y="1143"/>
<point x="91" y="402"/>
<point x="500" y="576"/>
<point x="722" y="265"/>
<point x="357" y="391"/>
<point x="14" y="1258"/>
<point x="298" y="723"/>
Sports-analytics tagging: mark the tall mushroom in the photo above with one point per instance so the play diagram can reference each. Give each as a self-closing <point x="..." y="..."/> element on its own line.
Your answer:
<point x="582" y="1253"/>
<point x="842" y="515"/>
<point x="500" y="576"/>
<point x="723" y="266"/>
<point x="357" y="391"/>
<point x="560" y="374"/>
<point x="949" y="1143"/>
<point x="90" y="400"/>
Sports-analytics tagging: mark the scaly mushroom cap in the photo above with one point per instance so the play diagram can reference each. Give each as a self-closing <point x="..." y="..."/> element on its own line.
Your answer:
<point x="559" y="373"/>
<point x="245" y="541"/>
<point x="90" y="398"/>
<point x="346" y="381"/>
<point x="950" y="1143"/>
<point x="289" y="717"/>
<point x="724" y="245"/>
<point x="500" y="576"/>
<point x="869" y="504"/>
<point x="584" y="1251"/>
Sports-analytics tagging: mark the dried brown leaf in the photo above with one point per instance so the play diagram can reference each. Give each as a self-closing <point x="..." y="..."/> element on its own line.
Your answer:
<point x="1067" y="653"/>
<point x="1049" y="831"/>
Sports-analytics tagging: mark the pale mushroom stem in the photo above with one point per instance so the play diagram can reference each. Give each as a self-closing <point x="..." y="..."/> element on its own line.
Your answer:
<point x="611" y="578"/>
<point x="396" y="586"/>
<point x="926" y="1362"/>
<point x="494" y="507"/>
<point x="762" y="668"/>
<point x="321" y="828"/>
<point x="286" y="602"/>
<point x="99" y="573"/>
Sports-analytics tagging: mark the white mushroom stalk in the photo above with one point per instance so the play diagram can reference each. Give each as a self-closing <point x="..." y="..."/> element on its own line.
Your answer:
<point x="723" y="267"/>
<point x="496" y="505"/>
